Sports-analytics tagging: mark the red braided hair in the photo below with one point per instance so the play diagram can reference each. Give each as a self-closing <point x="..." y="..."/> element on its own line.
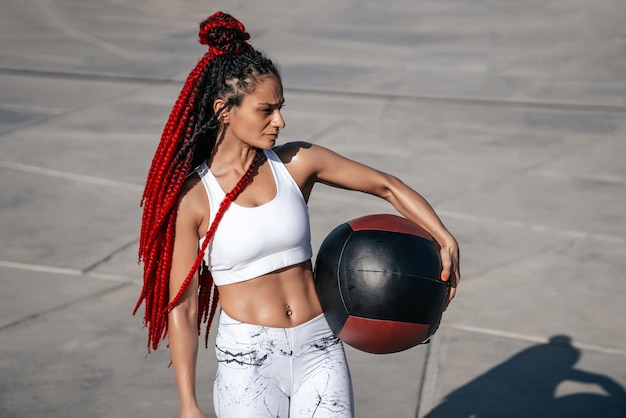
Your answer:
<point x="207" y="291"/>
<point x="229" y="70"/>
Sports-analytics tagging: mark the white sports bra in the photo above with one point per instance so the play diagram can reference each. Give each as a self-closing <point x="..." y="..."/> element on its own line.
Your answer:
<point x="252" y="241"/>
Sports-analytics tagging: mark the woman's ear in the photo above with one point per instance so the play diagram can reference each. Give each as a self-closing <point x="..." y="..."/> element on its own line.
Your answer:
<point x="224" y="106"/>
<point x="218" y="104"/>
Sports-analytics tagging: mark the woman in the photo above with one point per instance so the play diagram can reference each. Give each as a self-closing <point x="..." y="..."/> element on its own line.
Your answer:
<point x="276" y="354"/>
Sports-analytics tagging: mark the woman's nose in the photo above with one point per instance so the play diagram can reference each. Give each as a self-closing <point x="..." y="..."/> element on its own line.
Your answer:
<point x="278" y="120"/>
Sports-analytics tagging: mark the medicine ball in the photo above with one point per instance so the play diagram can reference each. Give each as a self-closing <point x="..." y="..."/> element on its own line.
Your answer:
<point x="378" y="279"/>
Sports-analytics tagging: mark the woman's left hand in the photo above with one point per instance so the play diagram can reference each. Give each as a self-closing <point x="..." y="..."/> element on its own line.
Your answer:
<point x="450" y="271"/>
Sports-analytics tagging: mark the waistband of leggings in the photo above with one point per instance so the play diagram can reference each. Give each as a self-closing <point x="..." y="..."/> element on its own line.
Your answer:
<point x="226" y="319"/>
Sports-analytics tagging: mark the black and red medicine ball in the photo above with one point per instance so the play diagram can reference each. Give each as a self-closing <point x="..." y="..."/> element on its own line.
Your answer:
<point x="378" y="279"/>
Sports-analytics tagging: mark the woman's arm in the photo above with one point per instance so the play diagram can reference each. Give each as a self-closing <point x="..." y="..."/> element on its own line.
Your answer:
<point x="182" y="325"/>
<point x="310" y="163"/>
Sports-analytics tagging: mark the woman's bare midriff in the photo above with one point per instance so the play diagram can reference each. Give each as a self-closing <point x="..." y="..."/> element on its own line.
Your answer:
<point x="283" y="299"/>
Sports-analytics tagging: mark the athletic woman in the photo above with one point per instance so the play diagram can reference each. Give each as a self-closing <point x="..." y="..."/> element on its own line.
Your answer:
<point x="225" y="214"/>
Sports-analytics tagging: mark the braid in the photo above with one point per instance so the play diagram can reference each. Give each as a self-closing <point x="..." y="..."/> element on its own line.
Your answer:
<point x="229" y="70"/>
<point x="228" y="199"/>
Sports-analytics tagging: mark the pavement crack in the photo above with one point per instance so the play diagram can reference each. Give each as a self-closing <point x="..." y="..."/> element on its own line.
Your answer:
<point x="456" y="100"/>
<point x="37" y="315"/>
<point x="70" y="176"/>
<point x="103" y="260"/>
<point x="103" y="77"/>
<point x="465" y="101"/>
<point x="423" y="380"/>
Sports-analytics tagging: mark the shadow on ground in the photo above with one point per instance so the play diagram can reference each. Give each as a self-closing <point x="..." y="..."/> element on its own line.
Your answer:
<point x="526" y="386"/>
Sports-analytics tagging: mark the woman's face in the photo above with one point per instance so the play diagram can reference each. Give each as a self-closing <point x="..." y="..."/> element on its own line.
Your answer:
<point x="257" y="120"/>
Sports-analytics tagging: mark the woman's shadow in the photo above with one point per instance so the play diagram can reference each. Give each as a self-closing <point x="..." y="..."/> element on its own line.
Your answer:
<point x="525" y="386"/>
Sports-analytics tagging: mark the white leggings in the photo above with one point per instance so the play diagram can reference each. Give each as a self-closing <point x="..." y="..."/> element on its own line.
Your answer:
<point x="280" y="372"/>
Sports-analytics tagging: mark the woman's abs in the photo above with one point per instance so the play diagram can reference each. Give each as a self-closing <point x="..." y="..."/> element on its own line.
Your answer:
<point x="282" y="299"/>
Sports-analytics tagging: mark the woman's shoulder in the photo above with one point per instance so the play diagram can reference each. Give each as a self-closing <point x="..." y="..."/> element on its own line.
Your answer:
<point x="303" y="153"/>
<point x="302" y="160"/>
<point x="193" y="197"/>
<point x="289" y="150"/>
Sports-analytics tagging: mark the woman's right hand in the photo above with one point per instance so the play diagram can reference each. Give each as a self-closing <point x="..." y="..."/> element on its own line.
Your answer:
<point x="183" y="317"/>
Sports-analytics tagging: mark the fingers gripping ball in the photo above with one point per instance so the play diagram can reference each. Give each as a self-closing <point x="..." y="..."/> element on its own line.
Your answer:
<point x="378" y="280"/>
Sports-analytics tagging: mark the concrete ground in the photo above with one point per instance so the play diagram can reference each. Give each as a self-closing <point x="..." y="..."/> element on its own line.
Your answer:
<point x="509" y="117"/>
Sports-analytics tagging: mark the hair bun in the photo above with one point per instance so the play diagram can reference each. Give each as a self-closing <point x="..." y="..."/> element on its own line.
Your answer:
<point x="223" y="34"/>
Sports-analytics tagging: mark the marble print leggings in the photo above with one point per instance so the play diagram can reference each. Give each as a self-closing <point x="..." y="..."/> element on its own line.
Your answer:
<point x="280" y="372"/>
